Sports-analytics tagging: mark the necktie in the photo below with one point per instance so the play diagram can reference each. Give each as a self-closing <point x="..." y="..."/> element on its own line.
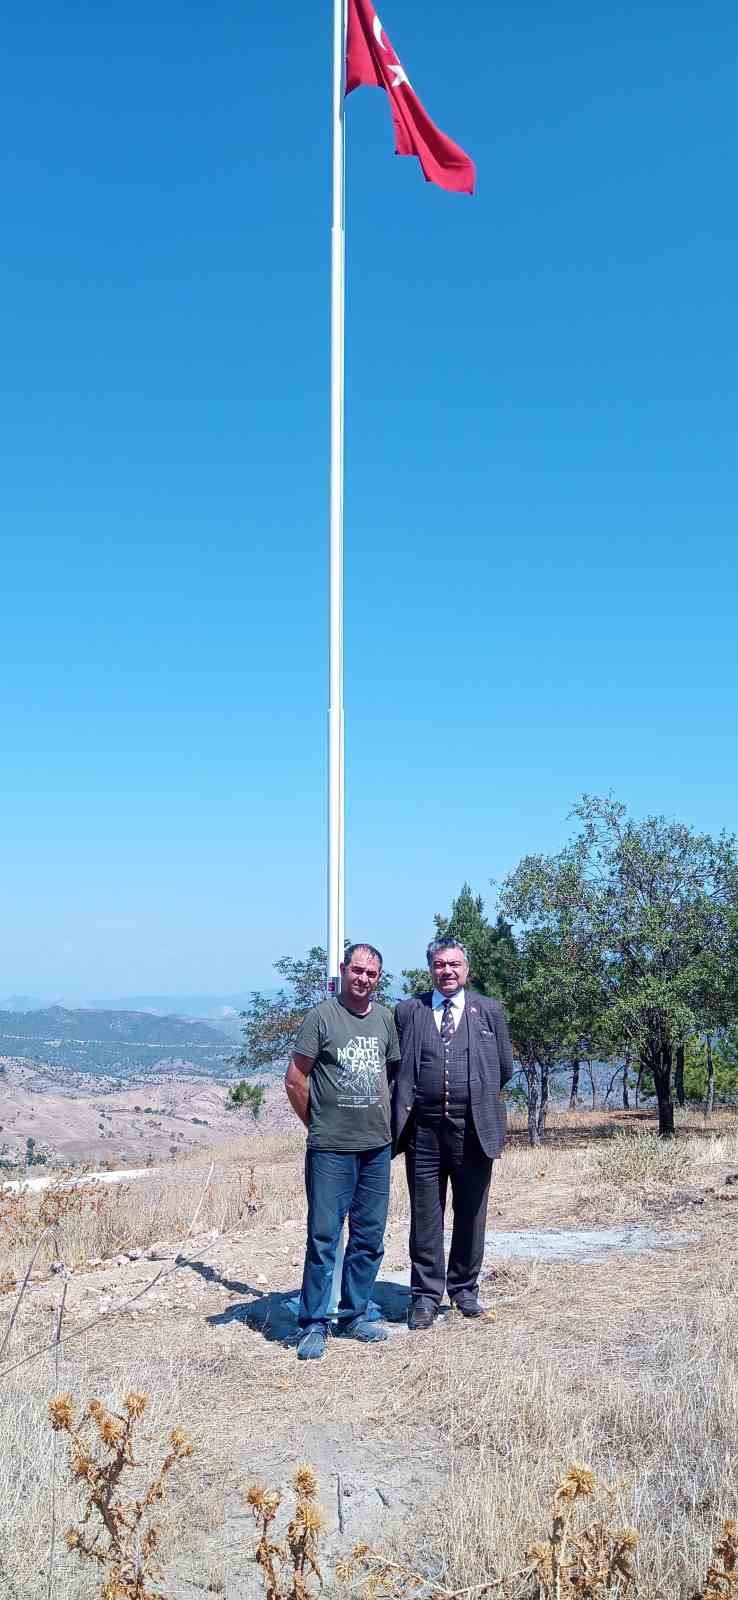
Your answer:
<point x="448" y="1026"/>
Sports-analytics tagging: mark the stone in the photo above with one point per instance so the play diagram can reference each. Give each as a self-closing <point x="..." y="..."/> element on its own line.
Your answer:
<point x="134" y="1255"/>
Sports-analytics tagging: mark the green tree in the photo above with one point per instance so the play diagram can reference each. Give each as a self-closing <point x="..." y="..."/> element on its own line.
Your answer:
<point x="270" y="1023"/>
<point x="246" y="1096"/>
<point x="551" y="1001"/>
<point x="711" y="1068"/>
<point x="646" y="911"/>
<point x="491" y="946"/>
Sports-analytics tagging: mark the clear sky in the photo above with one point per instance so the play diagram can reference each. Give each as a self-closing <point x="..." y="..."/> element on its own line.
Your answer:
<point x="541" y="574"/>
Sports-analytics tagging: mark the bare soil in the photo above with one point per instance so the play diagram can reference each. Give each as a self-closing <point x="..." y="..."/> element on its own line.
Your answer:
<point x="390" y="1429"/>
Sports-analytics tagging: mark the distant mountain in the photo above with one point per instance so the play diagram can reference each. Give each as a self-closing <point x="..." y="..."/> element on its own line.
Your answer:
<point x="214" y="1006"/>
<point x="112" y="1042"/>
<point x="21" y="1002"/>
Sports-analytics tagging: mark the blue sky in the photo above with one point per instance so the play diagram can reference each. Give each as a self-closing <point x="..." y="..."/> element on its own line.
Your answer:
<point x="541" y="576"/>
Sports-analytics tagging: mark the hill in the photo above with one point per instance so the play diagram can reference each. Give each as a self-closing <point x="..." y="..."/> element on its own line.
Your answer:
<point x="118" y="1043"/>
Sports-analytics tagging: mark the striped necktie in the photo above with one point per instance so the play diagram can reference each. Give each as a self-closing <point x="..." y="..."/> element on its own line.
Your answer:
<point x="448" y="1026"/>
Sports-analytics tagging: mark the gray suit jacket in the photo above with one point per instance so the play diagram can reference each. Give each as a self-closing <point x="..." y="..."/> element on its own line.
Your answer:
<point x="491" y="1066"/>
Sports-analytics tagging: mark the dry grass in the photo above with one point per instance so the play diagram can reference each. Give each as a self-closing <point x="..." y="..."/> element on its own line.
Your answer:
<point x="653" y="1409"/>
<point x="253" y="1183"/>
<point x="631" y="1367"/>
<point x="27" y="1462"/>
<point x="641" y="1158"/>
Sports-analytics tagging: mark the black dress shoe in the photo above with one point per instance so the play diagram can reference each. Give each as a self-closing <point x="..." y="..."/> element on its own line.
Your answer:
<point x="421" y="1317"/>
<point x="469" y="1308"/>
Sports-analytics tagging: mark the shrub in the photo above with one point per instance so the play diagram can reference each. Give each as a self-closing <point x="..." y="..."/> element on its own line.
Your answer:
<point x="641" y="1158"/>
<point x="246" y="1096"/>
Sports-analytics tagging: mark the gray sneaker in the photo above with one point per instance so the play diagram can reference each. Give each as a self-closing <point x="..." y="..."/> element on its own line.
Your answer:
<point x="367" y="1332"/>
<point x="312" y="1344"/>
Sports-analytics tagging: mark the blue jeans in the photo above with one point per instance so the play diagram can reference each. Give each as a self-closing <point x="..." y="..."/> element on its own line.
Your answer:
<point x="340" y="1185"/>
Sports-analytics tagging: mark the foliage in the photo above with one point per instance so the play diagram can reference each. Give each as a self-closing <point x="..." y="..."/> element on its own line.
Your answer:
<point x="248" y="1095"/>
<point x="270" y="1024"/>
<point x="725" y="1063"/>
<point x="289" y="1568"/>
<point x="645" y="915"/>
<point x="34" y="1157"/>
<point x="491" y="946"/>
<point x="117" y="1534"/>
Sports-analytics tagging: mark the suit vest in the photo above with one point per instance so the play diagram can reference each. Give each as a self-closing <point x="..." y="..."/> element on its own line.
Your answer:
<point x="442" y="1088"/>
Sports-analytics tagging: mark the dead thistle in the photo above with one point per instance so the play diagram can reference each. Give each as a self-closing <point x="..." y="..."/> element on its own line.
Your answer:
<point x="289" y="1568"/>
<point x="721" y="1582"/>
<point x="384" y="1580"/>
<point x="590" y="1563"/>
<point x="115" y="1532"/>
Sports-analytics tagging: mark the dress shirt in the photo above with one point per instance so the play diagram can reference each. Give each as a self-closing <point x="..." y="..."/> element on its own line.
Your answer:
<point x="458" y="1002"/>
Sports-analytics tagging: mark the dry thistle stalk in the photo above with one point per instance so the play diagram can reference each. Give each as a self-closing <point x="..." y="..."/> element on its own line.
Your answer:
<point x="289" y="1568"/>
<point x="590" y="1563"/>
<point x="384" y="1579"/>
<point x="116" y="1533"/>
<point x="721" y="1582"/>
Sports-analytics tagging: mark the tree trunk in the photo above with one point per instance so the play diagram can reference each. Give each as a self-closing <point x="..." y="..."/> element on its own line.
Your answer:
<point x="626" y="1070"/>
<point x="574" y="1096"/>
<point x="679" y="1076"/>
<point x="592" y="1085"/>
<point x="710" y="1091"/>
<point x="662" y="1083"/>
<point x="531" y="1074"/>
<point x="543" y="1107"/>
<point x="638" y="1084"/>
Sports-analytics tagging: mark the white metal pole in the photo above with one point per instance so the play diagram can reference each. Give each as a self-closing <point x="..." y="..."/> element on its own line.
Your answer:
<point x="336" y="883"/>
<point x="336" y="800"/>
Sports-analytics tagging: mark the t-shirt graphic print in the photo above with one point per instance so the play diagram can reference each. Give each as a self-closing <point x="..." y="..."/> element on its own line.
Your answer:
<point x="349" y="1088"/>
<point x="361" y="1068"/>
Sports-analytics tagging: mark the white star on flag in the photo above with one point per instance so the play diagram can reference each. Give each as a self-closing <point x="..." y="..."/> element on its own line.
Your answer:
<point x="400" y="75"/>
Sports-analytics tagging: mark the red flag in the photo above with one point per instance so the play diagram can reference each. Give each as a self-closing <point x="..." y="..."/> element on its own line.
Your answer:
<point x="371" y="59"/>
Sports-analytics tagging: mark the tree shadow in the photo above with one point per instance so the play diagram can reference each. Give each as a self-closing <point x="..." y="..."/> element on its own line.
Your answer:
<point x="212" y="1275"/>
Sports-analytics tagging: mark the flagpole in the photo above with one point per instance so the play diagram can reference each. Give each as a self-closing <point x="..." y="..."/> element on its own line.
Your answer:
<point x="336" y="846"/>
<point x="336" y="789"/>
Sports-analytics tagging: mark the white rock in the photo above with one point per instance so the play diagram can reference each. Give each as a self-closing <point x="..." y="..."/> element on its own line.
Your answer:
<point x="260" y="1278"/>
<point x="134" y="1255"/>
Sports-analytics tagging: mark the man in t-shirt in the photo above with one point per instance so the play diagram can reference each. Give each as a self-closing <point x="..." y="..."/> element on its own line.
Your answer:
<point x="337" y="1082"/>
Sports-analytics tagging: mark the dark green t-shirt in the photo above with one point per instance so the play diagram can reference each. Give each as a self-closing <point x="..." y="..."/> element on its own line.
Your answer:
<point x="349" y="1089"/>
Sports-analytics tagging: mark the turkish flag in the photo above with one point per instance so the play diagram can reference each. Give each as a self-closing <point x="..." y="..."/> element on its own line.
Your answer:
<point x="370" y="59"/>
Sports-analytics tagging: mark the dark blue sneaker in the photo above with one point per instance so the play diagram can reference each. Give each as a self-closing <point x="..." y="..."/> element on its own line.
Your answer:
<point x="363" y="1329"/>
<point x="313" y="1342"/>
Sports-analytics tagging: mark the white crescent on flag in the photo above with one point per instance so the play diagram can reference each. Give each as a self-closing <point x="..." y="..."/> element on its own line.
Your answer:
<point x="378" y="32"/>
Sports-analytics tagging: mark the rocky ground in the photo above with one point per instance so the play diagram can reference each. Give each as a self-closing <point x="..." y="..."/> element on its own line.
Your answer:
<point x="210" y="1339"/>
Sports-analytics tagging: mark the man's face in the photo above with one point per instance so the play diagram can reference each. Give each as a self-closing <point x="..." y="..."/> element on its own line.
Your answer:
<point x="449" y="970"/>
<point x="359" y="977"/>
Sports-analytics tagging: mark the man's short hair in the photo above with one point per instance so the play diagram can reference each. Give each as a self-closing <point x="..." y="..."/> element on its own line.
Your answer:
<point x="446" y="944"/>
<point x="362" y="945"/>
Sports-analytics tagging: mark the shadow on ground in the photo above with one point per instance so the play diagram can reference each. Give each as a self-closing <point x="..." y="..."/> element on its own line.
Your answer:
<point x="274" y="1316"/>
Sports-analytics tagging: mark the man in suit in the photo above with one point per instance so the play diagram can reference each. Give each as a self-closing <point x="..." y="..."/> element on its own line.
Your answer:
<point x="448" y="1118"/>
